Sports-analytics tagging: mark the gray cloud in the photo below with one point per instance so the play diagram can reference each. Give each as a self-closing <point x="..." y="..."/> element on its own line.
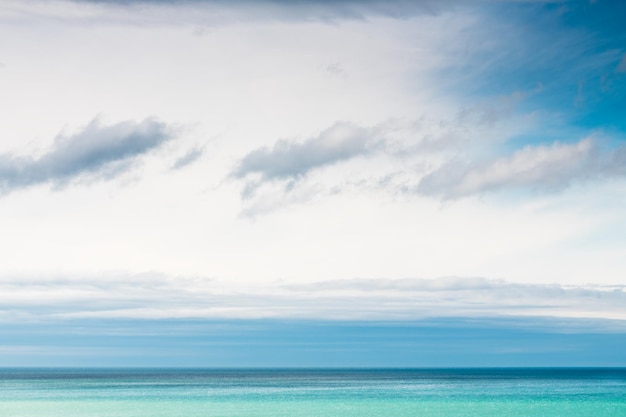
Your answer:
<point x="406" y="151"/>
<point x="188" y="158"/>
<point x="536" y="167"/>
<point x="98" y="151"/>
<point x="288" y="160"/>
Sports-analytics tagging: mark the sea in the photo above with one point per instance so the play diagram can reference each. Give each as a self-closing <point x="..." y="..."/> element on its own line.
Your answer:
<point x="313" y="392"/>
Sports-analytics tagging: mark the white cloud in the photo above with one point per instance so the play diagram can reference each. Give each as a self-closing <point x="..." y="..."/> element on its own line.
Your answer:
<point x="543" y="167"/>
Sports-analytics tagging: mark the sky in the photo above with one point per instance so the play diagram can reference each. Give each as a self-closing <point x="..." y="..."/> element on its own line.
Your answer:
<point x="328" y="183"/>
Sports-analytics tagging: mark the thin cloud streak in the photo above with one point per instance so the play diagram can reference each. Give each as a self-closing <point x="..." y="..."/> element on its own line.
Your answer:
<point x="543" y="167"/>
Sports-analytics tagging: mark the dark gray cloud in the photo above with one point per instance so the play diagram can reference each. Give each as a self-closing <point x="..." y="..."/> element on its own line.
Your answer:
<point x="97" y="151"/>
<point x="289" y="160"/>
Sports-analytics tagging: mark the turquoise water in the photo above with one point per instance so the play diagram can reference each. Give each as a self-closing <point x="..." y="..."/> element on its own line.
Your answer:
<point x="323" y="393"/>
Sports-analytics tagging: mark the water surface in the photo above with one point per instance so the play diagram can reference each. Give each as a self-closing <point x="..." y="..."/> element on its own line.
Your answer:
<point x="323" y="393"/>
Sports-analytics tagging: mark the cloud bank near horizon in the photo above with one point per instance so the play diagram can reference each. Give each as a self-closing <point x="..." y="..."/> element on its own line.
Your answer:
<point x="160" y="297"/>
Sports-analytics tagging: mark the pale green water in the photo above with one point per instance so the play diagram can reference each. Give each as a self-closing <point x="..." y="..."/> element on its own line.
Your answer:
<point x="432" y="393"/>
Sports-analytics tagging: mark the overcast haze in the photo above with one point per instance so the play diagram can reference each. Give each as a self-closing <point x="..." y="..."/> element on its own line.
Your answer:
<point x="351" y="160"/>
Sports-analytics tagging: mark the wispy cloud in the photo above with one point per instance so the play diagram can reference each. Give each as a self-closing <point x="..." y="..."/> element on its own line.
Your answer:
<point x="621" y="67"/>
<point x="96" y="152"/>
<point x="188" y="158"/>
